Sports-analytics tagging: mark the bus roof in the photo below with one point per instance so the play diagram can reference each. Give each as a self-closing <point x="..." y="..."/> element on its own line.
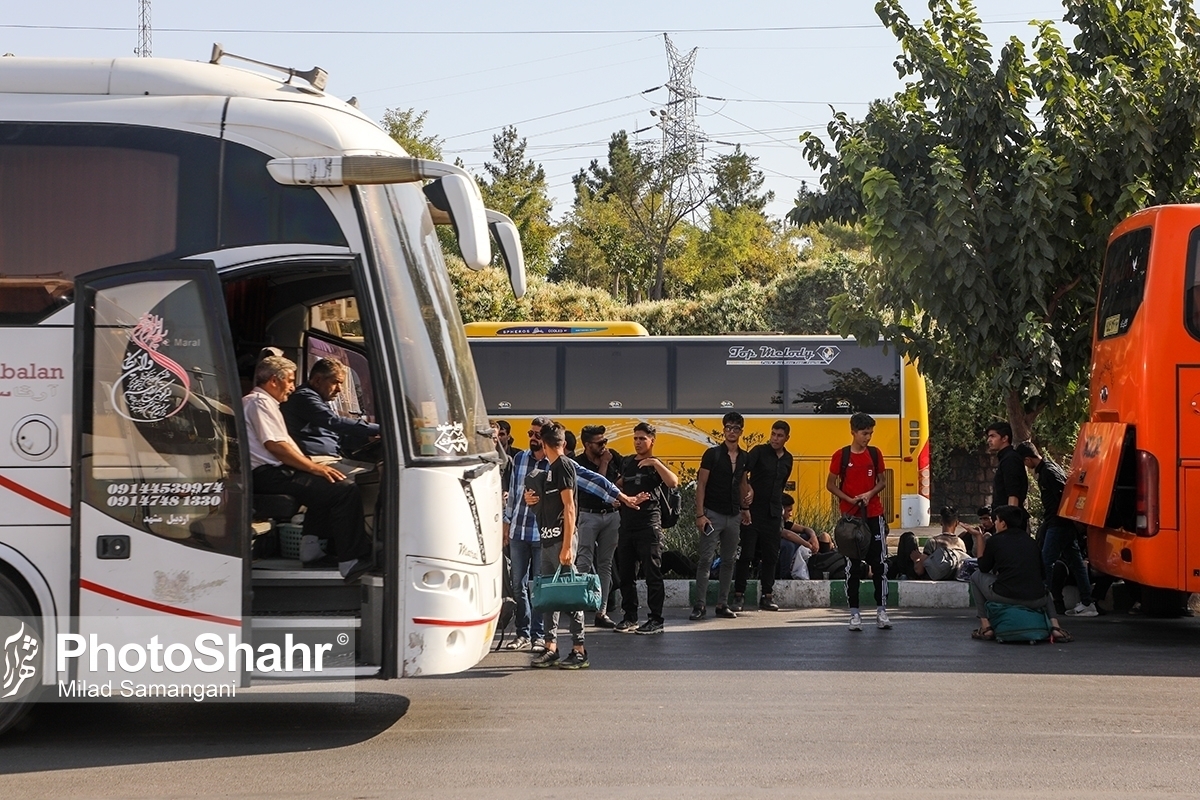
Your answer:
<point x="540" y="329"/>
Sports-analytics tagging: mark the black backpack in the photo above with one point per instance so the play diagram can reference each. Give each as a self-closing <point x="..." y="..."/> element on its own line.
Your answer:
<point x="670" y="505"/>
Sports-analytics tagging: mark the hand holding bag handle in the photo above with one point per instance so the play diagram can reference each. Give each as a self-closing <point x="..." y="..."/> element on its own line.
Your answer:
<point x="570" y="591"/>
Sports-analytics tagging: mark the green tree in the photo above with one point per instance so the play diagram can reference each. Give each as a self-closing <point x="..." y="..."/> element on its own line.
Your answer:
<point x="407" y="127"/>
<point x="516" y="186"/>
<point x="988" y="186"/>
<point x="737" y="184"/>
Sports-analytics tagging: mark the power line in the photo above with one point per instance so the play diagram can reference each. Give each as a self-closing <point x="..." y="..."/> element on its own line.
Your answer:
<point x="551" y="32"/>
<point x="548" y="116"/>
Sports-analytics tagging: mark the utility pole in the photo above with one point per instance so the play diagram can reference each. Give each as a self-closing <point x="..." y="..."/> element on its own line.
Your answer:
<point x="144" y="43"/>
<point x="681" y="137"/>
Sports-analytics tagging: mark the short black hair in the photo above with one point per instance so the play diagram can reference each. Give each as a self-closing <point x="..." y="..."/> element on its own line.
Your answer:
<point x="788" y="500"/>
<point x="553" y="434"/>
<point x="949" y="514"/>
<point x="1001" y="427"/>
<point x="734" y="418"/>
<point x="983" y="511"/>
<point x="570" y="437"/>
<point x="541" y="422"/>
<point x="860" y="421"/>
<point x="589" y="432"/>
<point x="503" y="425"/>
<point x="1027" y="449"/>
<point x="1013" y="516"/>
<point x="780" y="425"/>
<point x="646" y="428"/>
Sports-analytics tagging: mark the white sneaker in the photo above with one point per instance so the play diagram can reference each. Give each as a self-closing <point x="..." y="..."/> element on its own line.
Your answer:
<point x="855" y="621"/>
<point x="881" y="620"/>
<point x="1080" y="610"/>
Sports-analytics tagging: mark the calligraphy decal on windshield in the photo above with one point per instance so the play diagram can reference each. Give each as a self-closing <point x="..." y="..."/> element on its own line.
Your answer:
<point x="152" y="386"/>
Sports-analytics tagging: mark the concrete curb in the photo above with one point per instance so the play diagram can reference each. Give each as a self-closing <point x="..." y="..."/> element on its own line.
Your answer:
<point x="827" y="594"/>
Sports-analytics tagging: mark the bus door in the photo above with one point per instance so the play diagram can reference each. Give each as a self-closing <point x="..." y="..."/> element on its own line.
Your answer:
<point x="159" y="506"/>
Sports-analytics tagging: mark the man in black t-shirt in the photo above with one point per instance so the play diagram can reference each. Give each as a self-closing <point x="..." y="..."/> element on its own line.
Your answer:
<point x="1010" y="484"/>
<point x="555" y="511"/>
<point x="718" y="513"/>
<point x="641" y="533"/>
<point x="1010" y="572"/>
<point x="768" y="468"/>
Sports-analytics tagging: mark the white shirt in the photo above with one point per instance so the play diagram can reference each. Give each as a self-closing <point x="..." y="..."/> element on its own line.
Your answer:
<point x="264" y="423"/>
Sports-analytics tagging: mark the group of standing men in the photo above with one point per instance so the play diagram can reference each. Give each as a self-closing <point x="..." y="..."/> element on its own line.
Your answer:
<point x="582" y="510"/>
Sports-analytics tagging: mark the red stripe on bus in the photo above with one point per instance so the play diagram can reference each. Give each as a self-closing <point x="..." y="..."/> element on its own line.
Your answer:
<point x="138" y="601"/>
<point x="30" y="494"/>
<point x="454" y="623"/>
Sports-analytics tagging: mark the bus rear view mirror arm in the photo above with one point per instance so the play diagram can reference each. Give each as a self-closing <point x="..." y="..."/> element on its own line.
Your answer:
<point x="453" y="189"/>
<point x="508" y="239"/>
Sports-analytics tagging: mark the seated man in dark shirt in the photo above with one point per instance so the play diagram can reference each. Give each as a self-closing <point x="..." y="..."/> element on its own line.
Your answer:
<point x="1010" y="572"/>
<point x="322" y="435"/>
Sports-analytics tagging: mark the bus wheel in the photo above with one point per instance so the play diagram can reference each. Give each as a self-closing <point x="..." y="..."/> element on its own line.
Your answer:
<point x="22" y="655"/>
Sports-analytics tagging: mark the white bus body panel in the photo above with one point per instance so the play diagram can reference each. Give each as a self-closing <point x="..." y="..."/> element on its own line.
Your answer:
<point x="451" y="599"/>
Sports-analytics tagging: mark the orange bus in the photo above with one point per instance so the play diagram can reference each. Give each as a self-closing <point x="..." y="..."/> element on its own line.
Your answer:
<point x="1135" y="475"/>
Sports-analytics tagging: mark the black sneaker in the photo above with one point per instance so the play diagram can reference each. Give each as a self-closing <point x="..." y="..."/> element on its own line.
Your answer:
<point x="603" y="621"/>
<point x="626" y="626"/>
<point x="698" y="612"/>
<point x="650" y="627"/>
<point x="546" y="659"/>
<point x="738" y="602"/>
<point x="574" y="660"/>
<point x="725" y="612"/>
<point x="766" y="603"/>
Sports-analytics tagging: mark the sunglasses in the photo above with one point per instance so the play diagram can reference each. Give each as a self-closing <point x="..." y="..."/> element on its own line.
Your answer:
<point x="600" y="442"/>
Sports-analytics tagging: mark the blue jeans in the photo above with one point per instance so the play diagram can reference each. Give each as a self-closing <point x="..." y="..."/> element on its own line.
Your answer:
<point x="524" y="555"/>
<point x="1061" y="544"/>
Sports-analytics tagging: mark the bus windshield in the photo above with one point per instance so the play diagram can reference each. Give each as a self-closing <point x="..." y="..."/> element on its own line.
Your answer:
<point x="443" y="404"/>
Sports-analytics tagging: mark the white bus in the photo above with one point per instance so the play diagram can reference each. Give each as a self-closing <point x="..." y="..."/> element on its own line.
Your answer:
<point x="161" y="222"/>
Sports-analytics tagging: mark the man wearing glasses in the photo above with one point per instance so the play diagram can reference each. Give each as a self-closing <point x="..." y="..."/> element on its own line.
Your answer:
<point x="599" y="521"/>
<point x="718" y="514"/>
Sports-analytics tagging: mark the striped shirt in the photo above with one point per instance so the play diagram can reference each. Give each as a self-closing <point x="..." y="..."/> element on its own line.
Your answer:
<point x="522" y="523"/>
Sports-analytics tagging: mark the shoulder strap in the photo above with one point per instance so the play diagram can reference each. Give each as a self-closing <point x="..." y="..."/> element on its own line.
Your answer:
<point x="875" y="459"/>
<point x="845" y="463"/>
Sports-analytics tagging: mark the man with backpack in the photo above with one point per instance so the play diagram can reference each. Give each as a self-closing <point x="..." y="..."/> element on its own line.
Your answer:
<point x="641" y="533"/>
<point x="1057" y="534"/>
<point x="856" y="477"/>
<point x="768" y="468"/>
<point x="718" y="513"/>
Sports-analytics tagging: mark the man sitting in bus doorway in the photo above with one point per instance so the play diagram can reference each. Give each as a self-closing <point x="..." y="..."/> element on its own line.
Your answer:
<point x="768" y="467"/>
<point x="856" y="478"/>
<point x="1010" y="484"/>
<point x="718" y="514"/>
<point x="334" y="505"/>
<point x="321" y="434"/>
<point x="521" y="529"/>
<point x="599" y="522"/>
<point x="1057" y="534"/>
<point x="641" y="534"/>
<point x="1010" y="572"/>
<point x="555" y="507"/>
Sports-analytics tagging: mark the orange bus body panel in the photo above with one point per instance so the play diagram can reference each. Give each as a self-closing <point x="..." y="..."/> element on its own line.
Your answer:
<point x="1093" y="473"/>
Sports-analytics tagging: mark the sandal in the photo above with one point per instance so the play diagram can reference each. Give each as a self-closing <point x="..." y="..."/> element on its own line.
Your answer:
<point x="1059" y="635"/>
<point x="984" y="634"/>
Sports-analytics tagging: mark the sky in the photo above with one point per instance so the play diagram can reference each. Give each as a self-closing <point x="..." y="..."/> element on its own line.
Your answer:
<point x="566" y="74"/>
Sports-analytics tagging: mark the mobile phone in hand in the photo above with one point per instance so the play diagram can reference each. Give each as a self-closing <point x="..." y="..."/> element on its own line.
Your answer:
<point x="709" y="529"/>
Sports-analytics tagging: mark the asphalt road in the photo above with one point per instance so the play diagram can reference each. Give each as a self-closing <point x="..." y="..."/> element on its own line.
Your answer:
<point x="780" y="705"/>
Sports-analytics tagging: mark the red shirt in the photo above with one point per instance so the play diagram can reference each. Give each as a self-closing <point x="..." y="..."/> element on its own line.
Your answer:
<point x="860" y="477"/>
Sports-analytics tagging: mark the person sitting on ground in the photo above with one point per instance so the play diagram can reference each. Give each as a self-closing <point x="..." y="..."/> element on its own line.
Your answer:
<point x="943" y="554"/>
<point x="334" y="505"/>
<point x="986" y="526"/>
<point x="798" y="542"/>
<point x="1010" y="572"/>
<point x="826" y="563"/>
<point x="902" y="566"/>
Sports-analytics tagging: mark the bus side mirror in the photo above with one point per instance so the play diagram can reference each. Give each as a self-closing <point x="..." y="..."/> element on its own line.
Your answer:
<point x="458" y="196"/>
<point x="508" y="239"/>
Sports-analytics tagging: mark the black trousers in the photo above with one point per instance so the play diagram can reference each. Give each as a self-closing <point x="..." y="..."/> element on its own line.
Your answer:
<point x="760" y="541"/>
<point x="877" y="558"/>
<point x="644" y="545"/>
<point x="334" y="510"/>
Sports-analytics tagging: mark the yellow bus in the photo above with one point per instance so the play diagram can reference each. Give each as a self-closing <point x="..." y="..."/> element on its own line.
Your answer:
<point x="683" y="385"/>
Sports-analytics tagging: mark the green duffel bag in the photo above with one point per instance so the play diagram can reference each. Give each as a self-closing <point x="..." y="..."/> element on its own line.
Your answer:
<point x="566" y="591"/>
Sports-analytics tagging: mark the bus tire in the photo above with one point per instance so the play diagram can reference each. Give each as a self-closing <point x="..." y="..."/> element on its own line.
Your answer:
<point x="14" y="603"/>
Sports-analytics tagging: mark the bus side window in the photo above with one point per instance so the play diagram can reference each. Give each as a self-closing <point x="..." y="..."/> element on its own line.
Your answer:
<point x="1192" y="294"/>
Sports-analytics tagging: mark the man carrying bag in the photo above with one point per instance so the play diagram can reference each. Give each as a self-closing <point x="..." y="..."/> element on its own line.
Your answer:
<point x="552" y="493"/>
